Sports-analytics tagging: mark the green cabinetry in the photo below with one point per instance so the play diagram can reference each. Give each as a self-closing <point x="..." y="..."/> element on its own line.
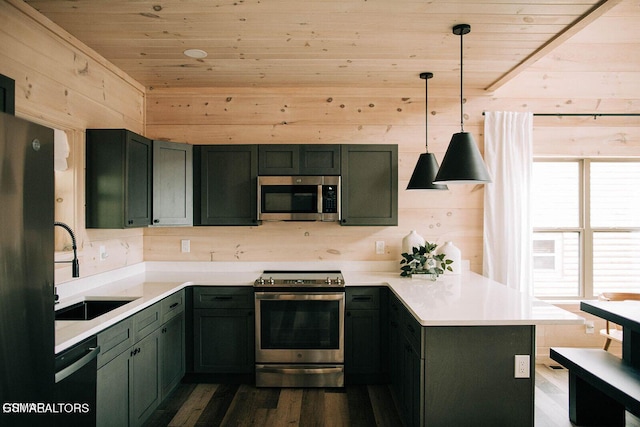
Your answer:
<point x="172" y="342"/>
<point x="223" y="330"/>
<point x="299" y="159"/>
<point x="118" y="179"/>
<point x="406" y="362"/>
<point x="141" y="360"/>
<point x="225" y="184"/>
<point x="369" y="184"/>
<point x="172" y="184"/>
<point x="458" y="375"/>
<point x="365" y="331"/>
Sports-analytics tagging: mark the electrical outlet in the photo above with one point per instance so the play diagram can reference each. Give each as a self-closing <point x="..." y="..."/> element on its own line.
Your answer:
<point x="522" y="369"/>
<point x="589" y="326"/>
<point x="380" y="247"/>
<point x="103" y="253"/>
<point x="185" y="245"/>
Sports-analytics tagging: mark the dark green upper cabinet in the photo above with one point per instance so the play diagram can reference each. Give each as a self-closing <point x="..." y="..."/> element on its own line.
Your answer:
<point x="225" y="184"/>
<point x="369" y="184"/>
<point x="7" y="95"/>
<point x="299" y="159"/>
<point x="118" y="179"/>
<point x="172" y="184"/>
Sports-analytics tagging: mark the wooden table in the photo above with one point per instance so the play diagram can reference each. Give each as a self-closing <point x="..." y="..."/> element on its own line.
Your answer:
<point x="625" y="314"/>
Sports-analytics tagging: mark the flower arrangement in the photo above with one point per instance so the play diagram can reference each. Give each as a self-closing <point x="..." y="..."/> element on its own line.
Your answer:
<point x="424" y="260"/>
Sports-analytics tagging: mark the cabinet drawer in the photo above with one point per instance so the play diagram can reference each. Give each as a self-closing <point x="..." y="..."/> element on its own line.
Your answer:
<point x="172" y="306"/>
<point x="146" y="321"/>
<point x="223" y="297"/>
<point x="114" y="341"/>
<point x="362" y="298"/>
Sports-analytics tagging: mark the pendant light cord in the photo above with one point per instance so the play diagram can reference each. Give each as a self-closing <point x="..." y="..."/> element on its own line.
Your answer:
<point x="426" y="76"/>
<point x="426" y="114"/>
<point x="461" y="84"/>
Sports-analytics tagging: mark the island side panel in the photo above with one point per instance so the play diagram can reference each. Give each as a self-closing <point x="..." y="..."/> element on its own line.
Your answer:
<point x="469" y="376"/>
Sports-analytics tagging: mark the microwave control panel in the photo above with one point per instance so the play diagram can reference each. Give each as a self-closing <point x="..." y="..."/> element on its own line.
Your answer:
<point x="329" y="199"/>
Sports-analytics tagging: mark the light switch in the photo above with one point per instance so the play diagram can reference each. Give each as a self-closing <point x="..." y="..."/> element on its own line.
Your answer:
<point x="185" y="245"/>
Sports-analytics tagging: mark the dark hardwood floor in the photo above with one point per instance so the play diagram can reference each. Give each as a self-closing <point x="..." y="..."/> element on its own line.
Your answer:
<point x="243" y="405"/>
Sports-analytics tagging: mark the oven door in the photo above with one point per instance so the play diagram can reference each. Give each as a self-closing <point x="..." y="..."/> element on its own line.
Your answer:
<point x="300" y="327"/>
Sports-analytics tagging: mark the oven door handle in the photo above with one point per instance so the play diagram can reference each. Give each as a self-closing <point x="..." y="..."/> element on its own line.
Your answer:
<point x="302" y="370"/>
<point x="306" y="296"/>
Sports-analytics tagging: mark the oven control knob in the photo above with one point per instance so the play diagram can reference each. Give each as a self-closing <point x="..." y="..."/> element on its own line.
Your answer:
<point x="261" y="281"/>
<point x="328" y="281"/>
<point x="271" y="281"/>
<point x="338" y="280"/>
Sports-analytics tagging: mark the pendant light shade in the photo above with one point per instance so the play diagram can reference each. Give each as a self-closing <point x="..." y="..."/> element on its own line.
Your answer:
<point x="427" y="166"/>
<point x="462" y="162"/>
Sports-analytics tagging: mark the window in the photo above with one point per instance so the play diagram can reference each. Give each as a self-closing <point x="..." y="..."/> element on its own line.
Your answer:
<point x="586" y="219"/>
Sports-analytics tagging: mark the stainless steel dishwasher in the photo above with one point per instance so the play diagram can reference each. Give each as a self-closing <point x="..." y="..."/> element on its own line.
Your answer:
<point x="75" y="388"/>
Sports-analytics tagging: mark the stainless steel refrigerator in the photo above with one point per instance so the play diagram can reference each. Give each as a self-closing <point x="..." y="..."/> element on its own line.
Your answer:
<point x="26" y="272"/>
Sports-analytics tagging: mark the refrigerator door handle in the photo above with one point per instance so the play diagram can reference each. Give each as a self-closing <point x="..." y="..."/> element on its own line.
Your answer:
<point x="78" y="364"/>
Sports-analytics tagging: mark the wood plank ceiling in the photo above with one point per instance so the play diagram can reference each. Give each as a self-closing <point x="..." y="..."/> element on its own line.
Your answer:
<point x="322" y="43"/>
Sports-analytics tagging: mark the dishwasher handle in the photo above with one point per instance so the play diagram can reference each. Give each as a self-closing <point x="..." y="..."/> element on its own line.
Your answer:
<point x="78" y="364"/>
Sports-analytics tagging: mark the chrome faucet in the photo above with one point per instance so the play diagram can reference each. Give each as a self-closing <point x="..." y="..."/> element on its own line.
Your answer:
<point x="75" y="266"/>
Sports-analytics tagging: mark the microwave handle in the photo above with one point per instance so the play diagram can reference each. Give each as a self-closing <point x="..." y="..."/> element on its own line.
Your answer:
<point x="320" y="197"/>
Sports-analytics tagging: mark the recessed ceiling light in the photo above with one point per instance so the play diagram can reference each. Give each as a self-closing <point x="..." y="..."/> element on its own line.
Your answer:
<point x="195" y="53"/>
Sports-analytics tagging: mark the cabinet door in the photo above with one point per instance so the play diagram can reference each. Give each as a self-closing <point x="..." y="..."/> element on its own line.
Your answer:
<point x="138" y="181"/>
<point x="369" y="185"/>
<point x="410" y="377"/>
<point x="320" y="159"/>
<point x="144" y="384"/>
<point x="224" y="340"/>
<point x="118" y="179"/>
<point x="362" y="346"/>
<point x="172" y="361"/>
<point x="112" y="393"/>
<point x="395" y="347"/>
<point x="227" y="189"/>
<point x="279" y="159"/>
<point x="172" y="183"/>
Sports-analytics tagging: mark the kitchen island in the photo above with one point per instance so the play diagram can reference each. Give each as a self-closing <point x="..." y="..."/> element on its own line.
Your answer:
<point x="452" y="343"/>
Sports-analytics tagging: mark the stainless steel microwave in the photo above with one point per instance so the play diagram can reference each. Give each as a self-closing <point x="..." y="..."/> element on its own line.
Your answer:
<point x="299" y="198"/>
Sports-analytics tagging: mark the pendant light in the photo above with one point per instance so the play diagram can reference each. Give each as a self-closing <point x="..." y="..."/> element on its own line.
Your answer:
<point x="462" y="163"/>
<point x="427" y="166"/>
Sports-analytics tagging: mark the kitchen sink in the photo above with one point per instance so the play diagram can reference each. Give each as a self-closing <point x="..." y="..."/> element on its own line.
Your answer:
<point x="89" y="309"/>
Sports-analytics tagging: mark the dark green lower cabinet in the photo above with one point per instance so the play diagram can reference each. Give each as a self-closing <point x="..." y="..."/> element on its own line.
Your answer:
<point x="128" y="390"/>
<point x="144" y="381"/>
<point x="131" y="385"/>
<point x="223" y="332"/>
<point x="406" y="364"/>
<point x="364" y="333"/>
<point x="172" y="352"/>
<point x="112" y="395"/>
<point x="223" y="341"/>
<point x="459" y="375"/>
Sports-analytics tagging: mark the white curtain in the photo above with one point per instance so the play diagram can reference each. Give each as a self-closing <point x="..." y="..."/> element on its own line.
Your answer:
<point x="508" y="152"/>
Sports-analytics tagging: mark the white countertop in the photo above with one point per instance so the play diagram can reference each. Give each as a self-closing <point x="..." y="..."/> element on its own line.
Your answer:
<point x="467" y="299"/>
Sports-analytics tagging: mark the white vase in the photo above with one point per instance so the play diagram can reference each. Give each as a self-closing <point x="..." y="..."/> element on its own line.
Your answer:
<point x="410" y="241"/>
<point x="453" y="253"/>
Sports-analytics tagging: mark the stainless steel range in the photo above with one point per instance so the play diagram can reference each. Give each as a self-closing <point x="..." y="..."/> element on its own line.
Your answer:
<point x="300" y="329"/>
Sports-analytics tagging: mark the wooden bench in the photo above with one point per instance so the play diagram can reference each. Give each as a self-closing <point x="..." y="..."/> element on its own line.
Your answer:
<point x="601" y="386"/>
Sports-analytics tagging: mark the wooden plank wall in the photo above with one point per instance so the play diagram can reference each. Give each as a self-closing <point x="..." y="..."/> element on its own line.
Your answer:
<point x="322" y="116"/>
<point x="63" y="84"/>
